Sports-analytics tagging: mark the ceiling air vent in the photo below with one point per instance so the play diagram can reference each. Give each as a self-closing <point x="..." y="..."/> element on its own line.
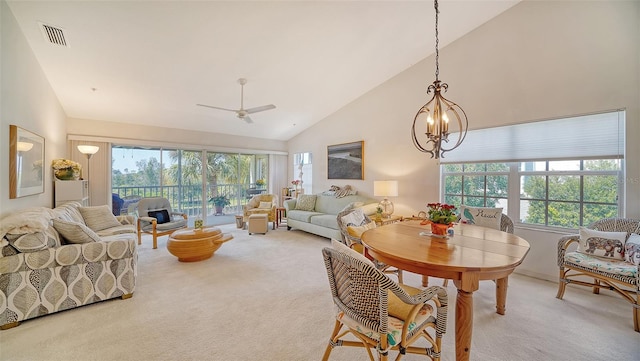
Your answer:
<point x="54" y="35"/>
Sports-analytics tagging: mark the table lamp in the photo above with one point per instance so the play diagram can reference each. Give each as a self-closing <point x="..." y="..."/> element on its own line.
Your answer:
<point x="385" y="189"/>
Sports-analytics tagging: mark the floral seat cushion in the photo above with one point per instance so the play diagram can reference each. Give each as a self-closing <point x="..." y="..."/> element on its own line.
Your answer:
<point x="603" y="265"/>
<point x="394" y="325"/>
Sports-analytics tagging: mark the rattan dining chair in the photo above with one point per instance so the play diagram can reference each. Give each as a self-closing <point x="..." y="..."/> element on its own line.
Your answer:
<point x="352" y="223"/>
<point x="506" y="225"/>
<point x="379" y="312"/>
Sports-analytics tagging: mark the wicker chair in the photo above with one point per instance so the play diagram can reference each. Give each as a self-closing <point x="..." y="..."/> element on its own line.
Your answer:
<point x="616" y="275"/>
<point x="352" y="239"/>
<point x="506" y="225"/>
<point x="151" y="225"/>
<point x="380" y="313"/>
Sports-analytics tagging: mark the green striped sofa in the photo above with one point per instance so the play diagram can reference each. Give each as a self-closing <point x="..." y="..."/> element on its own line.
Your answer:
<point x="41" y="272"/>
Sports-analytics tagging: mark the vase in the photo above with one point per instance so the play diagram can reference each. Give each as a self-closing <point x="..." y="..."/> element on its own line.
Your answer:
<point x="66" y="174"/>
<point x="439" y="229"/>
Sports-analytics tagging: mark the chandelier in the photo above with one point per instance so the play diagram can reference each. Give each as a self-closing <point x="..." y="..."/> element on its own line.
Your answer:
<point x="437" y="115"/>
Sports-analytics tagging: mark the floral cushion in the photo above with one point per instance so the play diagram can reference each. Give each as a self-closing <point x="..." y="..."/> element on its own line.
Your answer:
<point x="394" y="325"/>
<point x="602" y="244"/>
<point x="607" y="265"/>
<point x="632" y="249"/>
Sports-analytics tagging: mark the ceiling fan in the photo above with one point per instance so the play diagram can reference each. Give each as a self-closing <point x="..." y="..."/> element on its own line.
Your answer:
<point x="243" y="113"/>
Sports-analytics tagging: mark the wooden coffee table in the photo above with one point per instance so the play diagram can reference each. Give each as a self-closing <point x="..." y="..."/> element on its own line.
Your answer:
<point x="193" y="245"/>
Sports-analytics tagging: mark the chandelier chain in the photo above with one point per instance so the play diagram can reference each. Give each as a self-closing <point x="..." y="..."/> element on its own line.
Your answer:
<point x="437" y="40"/>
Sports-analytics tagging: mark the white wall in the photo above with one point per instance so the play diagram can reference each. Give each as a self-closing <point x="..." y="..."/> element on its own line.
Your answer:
<point x="28" y="102"/>
<point x="537" y="60"/>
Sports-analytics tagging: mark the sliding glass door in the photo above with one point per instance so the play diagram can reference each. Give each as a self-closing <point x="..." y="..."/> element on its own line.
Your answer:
<point x="225" y="183"/>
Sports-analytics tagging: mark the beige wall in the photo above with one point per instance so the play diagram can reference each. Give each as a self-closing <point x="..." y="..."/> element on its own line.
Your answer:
<point x="537" y="60"/>
<point x="29" y="102"/>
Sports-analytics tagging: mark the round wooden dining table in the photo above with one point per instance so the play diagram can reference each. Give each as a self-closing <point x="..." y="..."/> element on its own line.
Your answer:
<point x="472" y="254"/>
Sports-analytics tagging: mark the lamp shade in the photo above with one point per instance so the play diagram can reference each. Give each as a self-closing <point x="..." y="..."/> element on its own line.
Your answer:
<point x="385" y="188"/>
<point x="88" y="149"/>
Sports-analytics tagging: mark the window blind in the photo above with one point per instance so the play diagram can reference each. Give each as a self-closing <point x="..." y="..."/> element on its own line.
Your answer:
<point x="594" y="136"/>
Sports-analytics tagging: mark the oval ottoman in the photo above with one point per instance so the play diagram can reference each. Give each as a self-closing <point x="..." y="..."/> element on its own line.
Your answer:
<point x="192" y="245"/>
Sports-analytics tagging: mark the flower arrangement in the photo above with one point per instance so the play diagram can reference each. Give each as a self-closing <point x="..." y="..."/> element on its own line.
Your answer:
<point x="442" y="213"/>
<point x="260" y="182"/>
<point x="65" y="169"/>
<point x="296" y="182"/>
<point x="58" y="164"/>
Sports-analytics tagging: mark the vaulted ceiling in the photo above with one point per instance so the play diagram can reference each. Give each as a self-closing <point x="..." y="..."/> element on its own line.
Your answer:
<point x="147" y="62"/>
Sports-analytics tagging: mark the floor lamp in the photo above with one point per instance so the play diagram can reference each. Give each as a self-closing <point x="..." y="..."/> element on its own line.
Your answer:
<point x="88" y="150"/>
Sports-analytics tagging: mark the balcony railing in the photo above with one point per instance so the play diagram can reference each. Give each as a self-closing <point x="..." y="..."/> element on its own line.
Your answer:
<point x="189" y="199"/>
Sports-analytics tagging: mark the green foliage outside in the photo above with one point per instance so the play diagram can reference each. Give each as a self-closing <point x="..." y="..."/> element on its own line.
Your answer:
<point x="552" y="200"/>
<point x="226" y="175"/>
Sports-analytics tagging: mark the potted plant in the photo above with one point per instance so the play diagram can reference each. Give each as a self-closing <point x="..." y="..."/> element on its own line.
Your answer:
<point x="441" y="215"/>
<point x="220" y="201"/>
<point x="260" y="183"/>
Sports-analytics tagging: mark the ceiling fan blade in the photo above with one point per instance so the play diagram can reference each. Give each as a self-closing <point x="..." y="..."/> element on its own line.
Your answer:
<point x="260" y="109"/>
<point x="247" y="119"/>
<point x="211" y="106"/>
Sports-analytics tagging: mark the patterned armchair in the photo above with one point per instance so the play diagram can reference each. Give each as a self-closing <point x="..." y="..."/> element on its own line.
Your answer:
<point x="156" y="217"/>
<point x="380" y="313"/>
<point x="261" y="204"/>
<point x="352" y="223"/>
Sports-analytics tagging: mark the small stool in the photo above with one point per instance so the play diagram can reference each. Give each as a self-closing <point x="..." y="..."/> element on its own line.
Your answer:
<point x="258" y="223"/>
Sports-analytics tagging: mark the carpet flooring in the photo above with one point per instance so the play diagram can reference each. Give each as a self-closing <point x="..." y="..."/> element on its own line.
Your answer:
<point x="266" y="297"/>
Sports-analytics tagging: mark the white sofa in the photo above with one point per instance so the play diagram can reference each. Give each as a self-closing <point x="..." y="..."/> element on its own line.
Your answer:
<point x="321" y="220"/>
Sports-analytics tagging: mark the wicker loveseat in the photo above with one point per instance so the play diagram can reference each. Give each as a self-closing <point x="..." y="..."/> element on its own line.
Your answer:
<point x="42" y="273"/>
<point x="582" y="266"/>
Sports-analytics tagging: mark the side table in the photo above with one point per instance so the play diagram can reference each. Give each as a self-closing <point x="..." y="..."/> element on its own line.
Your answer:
<point x="281" y="213"/>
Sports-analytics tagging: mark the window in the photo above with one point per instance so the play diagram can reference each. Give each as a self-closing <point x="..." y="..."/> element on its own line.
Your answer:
<point x="302" y="170"/>
<point x="477" y="184"/>
<point x="542" y="173"/>
<point x="569" y="194"/>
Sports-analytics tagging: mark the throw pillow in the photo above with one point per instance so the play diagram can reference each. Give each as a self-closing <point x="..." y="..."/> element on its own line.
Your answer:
<point x="603" y="244"/>
<point x="99" y="218"/>
<point x="397" y="308"/>
<point x="75" y="233"/>
<point x="341" y="247"/>
<point x="481" y="216"/>
<point x="265" y="205"/>
<point x="357" y="231"/>
<point x="632" y="249"/>
<point x="28" y="242"/>
<point x="306" y="202"/>
<point x="354" y="218"/>
<point x="161" y="215"/>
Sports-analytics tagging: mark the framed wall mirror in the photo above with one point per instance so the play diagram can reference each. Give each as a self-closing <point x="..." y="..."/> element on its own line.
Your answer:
<point x="26" y="163"/>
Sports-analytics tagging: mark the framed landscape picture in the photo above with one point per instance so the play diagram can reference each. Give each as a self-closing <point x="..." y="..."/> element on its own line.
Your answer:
<point x="346" y="161"/>
<point x="26" y="158"/>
